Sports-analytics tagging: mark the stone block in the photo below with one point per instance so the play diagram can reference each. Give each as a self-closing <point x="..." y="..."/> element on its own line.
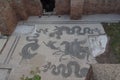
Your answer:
<point x="106" y="71"/>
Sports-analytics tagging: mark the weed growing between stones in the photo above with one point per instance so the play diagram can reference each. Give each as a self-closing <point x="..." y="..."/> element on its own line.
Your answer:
<point x="35" y="75"/>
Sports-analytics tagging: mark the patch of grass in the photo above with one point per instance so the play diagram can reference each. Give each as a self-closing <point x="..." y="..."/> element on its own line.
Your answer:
<point x="35" y="75"/>
<point x="113" y="31"/>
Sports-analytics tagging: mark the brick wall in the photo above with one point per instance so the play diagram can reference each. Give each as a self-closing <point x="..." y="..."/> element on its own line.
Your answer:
<point x="8" y="18"/>
<point x="62" y="7"/>
<point x="76" y="9"/>
<point x="25" y="8"/>
<point x="80" y="7"/>
<point x="33" y="7"/>
<point x="101" y="6"/>
<point x="11" y="11"/>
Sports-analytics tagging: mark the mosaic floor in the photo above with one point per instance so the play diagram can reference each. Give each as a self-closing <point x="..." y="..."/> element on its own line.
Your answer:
<point x="60" y="51"/>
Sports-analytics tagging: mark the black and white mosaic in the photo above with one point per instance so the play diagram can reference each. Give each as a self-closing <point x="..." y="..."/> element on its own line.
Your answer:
<point x="62" y="51"/>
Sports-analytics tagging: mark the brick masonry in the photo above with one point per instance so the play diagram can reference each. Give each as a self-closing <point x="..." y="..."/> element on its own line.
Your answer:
<point x="62" y="7"/>
<point x="101" y="6"/>
<point x="12" y="11"/>
<point x="76" y="8"/>
<point x="7" y="18"/>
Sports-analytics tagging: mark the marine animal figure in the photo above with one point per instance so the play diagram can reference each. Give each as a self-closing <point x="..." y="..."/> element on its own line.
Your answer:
<point x="32" y="46"/>
<point x="42" y="30"/>
<point x="58" y="32"/>
<point x="51" y="45"/>
<point x="74" y="49"/>
<point x="66" y="70"/>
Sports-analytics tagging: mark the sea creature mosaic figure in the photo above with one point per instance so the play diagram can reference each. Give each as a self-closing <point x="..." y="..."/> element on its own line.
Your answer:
<point x="42" y="30"/>
<point x="58" y="32"/>
<point x="51" y="45"/>
<point x="31" y="46"/>
<point x="66" y="70"/>
<point x="74" y="49"/>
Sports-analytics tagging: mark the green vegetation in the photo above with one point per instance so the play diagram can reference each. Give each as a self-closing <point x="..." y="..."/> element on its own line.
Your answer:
<point x="35" y="75"/>
<point x="113" y="31"/>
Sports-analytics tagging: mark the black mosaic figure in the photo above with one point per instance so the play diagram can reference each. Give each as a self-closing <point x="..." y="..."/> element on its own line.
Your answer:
<point x="42" y="30"/>
<point x="51" y="45"/>
<point x="58" y="32"/>
<point x="33" y="45"/>
<point x="66" y="70"/>
<point x="74" y="49"/>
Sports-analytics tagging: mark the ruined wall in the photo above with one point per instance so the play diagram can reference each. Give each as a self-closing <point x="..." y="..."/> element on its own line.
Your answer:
<point x="80" y="7"/>
<point x="62" y="7"/>
<point x="101" y="6"/>
<point x="8" y="19"/>
<point x="19" y="8"/>
<point x="76" y="9"/>
<point x="33" y="7"/>
<point x="25" y="8"/>
<point x="11" y="11"/>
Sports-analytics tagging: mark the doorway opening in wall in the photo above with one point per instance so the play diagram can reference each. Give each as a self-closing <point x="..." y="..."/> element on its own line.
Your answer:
<point x="48" y="5"/>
